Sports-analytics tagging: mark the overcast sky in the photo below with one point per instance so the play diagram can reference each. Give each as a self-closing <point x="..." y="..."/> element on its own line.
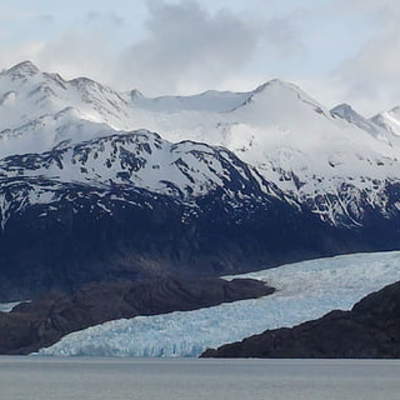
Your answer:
<point x="336" y="50"/>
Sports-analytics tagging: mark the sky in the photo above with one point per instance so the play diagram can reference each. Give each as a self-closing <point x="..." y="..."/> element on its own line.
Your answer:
<point x="336" y="50"/>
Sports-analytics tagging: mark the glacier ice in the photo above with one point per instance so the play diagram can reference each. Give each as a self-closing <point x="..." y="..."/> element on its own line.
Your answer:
<point x="306" y="290"/>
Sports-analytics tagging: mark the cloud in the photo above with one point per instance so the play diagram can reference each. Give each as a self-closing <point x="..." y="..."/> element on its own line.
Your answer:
<point x="44" y="18"/>
<point x="105" y="18"/>
<point x="370" y="77"/>
<point x="187" y="48"/>
<point x="182" y="47"/>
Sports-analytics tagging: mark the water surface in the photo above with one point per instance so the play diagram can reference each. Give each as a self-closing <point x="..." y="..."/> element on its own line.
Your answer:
<point x="37" y="378"/>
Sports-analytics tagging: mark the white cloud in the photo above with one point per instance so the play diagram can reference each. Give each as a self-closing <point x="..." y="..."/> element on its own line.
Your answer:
<point x="187" y="48"/>
<point x="182" y="48"/>
<point x="370" y="78"/>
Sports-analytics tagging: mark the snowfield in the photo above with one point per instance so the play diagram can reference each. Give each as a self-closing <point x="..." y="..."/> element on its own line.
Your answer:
<point x="305" y="290"/>
<point x="7" y="307"/>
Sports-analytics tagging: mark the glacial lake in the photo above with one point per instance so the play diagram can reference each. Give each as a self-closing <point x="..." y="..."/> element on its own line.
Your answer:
<point x="36" y="378"/>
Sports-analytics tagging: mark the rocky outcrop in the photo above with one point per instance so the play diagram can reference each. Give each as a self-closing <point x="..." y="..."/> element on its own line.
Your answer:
<point x="370" y="330"/>
<point x="31" y="326"/>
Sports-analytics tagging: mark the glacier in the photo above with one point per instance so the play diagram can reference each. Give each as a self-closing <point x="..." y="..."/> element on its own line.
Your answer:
<point x="305" y="290"/>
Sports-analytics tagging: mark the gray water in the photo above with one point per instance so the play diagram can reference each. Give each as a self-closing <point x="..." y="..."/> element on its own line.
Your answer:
<point x="147" y="379"/>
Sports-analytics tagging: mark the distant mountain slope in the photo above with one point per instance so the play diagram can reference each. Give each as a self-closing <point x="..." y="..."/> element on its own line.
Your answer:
<point x="144" y="160"/>
<point x="128" y="206"/>
<point x="389" y="121"/>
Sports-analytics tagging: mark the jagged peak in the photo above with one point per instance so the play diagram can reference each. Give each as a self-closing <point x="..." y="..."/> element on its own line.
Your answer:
<point x="388" y="121"/>
<point x="345" y="111"/>
<point x="135" y="93"/>
<point x="342" y="107"/>
<point x="282" y="89"/>
<point x="380" y="118"/>
<point x="83" y="81"/>
<point x="394" y="110"/>
<point x="87" y="85"/>
<point x="26" y="68"/>
<point x="277" y="83"/>
<point x="386" y="114"/>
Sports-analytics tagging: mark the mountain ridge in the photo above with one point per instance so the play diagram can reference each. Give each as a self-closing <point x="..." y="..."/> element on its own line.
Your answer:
<point x="182" y="184"/>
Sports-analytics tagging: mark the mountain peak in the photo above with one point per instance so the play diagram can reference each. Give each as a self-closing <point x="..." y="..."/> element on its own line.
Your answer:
<point x="83" y="81"/>
<point x="347" y="113"/>
<point x="135" y="93"/>
<point x="343" y="106"/>
<point x="283" y="92"/>
<point x="344" y="111"/>
<point x="280" y="86"/>
<point x="395" y="110"/>
<point x="25" y="68"/>
<point x="273" y="83"/>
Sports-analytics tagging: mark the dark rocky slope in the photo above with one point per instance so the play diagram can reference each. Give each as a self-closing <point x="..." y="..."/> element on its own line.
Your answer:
<point x="149" y="234"/>
<point x="31" y="326"/>
<point x="84" y="213"/>
<point x="370" y="330"/>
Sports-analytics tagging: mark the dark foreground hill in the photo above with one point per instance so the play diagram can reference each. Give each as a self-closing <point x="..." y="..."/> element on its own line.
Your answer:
<point x="31" y="326"/>
<point x="370" y="330"/>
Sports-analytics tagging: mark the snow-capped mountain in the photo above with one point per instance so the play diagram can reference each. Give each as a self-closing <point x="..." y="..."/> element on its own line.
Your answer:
<point x="141" y="159"/>
<point x="334" y="161"/>
<point x="346" y="112"/>
<point x="390" y="121"/>
<point x="93" y="179"/>
<point x="133" y="204"/>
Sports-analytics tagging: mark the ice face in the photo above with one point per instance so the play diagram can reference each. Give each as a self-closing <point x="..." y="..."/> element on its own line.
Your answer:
<point x="305" y="291"/>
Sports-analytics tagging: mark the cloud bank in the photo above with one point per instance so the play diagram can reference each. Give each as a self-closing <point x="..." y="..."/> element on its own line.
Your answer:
<point x="184" y="46"/>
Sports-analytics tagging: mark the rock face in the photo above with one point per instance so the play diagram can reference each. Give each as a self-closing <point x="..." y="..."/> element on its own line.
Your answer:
<point x="370" y="330"/>
<point x="31" y="326"/>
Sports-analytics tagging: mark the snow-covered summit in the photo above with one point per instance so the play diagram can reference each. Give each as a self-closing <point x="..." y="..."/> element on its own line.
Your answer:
<point x="22" y="70"/>
<point x="333" y="160"/>
<point x="280" y="90"/>
<point x="35" y="93"/>
<point x="141" y="159"/>
<point x="389" y="121"/>
<point x="347" y="112"/>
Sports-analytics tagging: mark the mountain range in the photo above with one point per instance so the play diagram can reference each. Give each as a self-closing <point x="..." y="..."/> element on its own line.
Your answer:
<point x="101" y="185"/>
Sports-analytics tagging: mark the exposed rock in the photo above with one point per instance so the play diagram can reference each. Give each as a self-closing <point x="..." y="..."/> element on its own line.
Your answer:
<point x="31" y="326"/>
<point x="370" y="330"/>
